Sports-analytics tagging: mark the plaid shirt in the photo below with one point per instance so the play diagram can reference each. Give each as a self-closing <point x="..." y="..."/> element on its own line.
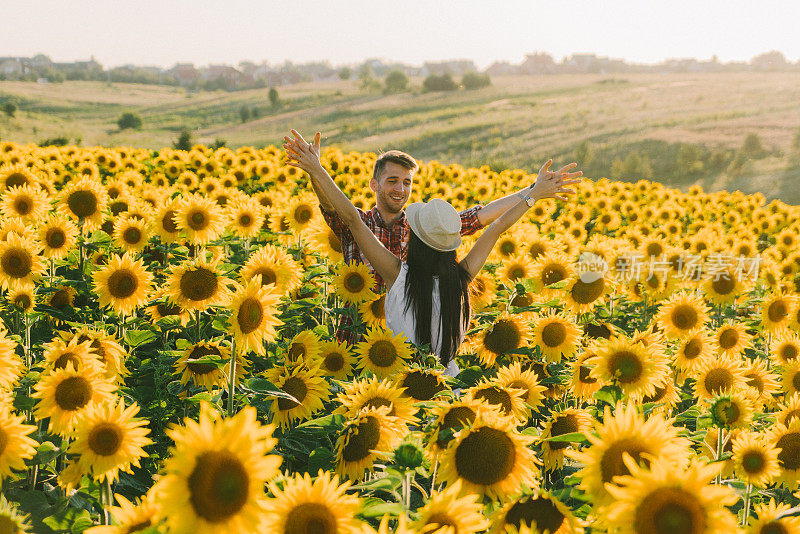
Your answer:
<point x="394" y="237"/>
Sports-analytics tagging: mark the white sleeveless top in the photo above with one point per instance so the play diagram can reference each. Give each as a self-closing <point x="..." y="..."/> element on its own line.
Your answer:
<point x="398" y="319"/>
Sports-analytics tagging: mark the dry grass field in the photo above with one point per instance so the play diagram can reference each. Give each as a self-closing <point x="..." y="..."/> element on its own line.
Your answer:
<point x="515" y="123"/>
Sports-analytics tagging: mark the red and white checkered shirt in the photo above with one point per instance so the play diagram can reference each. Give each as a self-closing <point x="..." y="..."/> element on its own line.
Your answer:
<point x="394" y="237"/>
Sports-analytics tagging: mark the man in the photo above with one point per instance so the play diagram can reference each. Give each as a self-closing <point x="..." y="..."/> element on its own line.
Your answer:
<point x="392" y="182"/>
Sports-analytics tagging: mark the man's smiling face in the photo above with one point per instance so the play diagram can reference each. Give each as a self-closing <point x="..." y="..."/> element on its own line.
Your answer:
<point x="393" y="188"/>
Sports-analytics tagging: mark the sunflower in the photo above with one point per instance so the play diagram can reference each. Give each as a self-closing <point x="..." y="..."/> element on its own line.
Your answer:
<point x="694" y="351"/>
<point x="626" y="432"/>
<point x="335" y="359"/>
<point x="449" y="418"/>
<point x="164" y="221"/>
<point x="450" y="511"/>
<point x="275" y="267"/>
<point x="58" y="353"/>
<point x="109" y="439"/>
<point x="309" y="389"/>
<point x="130" y="517"/>
<point x="537" y="512"/>
<point x="105" y="348"/>
<point x="373" y="312"/>
<point x="556" y="335"/>
<point x="636" y="369"/>
<point x="383" y="353"/>
<point x="164" y="308"/>
<point x="26" y="202"/>
<point x="482" y="290"/>
<point x="17" y="446"/>
<point x="11" y="366"/>
<point x="131" y="234"/>
<point x="586" y="290"/>
<point x="510" y="402"/>
<point x="20" y="263"/>
<point x="669" y="499"/>
<point x="354" y="283"/>
<point x="301" y="213"/>
<point x="22" y="298"/>
<point x="64" y="395"/>
<point x="731" y="410"/>
<point x="15" y="175"/>
<point x="246" y="217"/>
<point x="325" y="241"/>
<point x="371" y="434"/>
<point x="725" y="287"/>
<point x="508" y="245"/>
<point x="790" y="378"/>
<point x="665" y="397"/>
<point x="57" y="235"/>
<point x="253" y="316"/>
<point x="490" y="458"/>
<point x="123" y="284"/>
<point x="682" y="316"/>
<point x="566" y="421"/>
<point x="203" y="363"/>
<point x="718" y="375"/>
<point x="515" y="269"/>
<point x="196" y="285"/>
<point x="582" y="384"/>
<point x="201" y="219"/>
<point x="373" y="393"/>
<point x="213" y="482"/>
<point x="789" y="410"/>
<point x="321" y="506"/>
<point x="84" y="200"/>
<point x="421" y="384"/>
<point x="732" y="339"/>
<point x="549" y="269"/>
<point x="777" y="311"/>
<point x="785" y="348"/>
<point x="754" y="461"/>
<point x="506" y="334"/>
<point x="304" y="347"/>
<point x="772" y="518"/>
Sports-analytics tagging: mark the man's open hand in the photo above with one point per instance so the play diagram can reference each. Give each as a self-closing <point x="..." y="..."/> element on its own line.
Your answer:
<point x="552" y="184"/>
<point x="302" y="154"/>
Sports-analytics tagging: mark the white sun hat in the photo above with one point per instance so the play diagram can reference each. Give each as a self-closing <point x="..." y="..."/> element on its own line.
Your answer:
<point x="436" y="223"/>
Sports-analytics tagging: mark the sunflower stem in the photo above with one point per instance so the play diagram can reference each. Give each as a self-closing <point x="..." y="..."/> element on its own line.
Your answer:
<point x="407" y="488"/>
<point x="720" y="445"/>
<point x="433" y="475"/>
<point x="746" y="515"/>
<point x="106" y="501"/>
<point x="232" y="378"/>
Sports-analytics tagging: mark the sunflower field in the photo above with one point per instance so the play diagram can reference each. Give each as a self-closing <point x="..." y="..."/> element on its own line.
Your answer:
<point x="170" y="358"/>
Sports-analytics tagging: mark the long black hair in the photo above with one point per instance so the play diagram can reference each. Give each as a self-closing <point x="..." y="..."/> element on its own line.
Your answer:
<point x="424" y="263"/>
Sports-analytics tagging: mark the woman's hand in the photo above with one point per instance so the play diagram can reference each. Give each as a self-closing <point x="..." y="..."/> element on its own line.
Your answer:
<point x="552" y="184"/>
<point x="302" y="154"/>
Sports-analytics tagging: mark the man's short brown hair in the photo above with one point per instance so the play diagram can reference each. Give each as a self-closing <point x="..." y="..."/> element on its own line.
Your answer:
<point x="393" y="156"/>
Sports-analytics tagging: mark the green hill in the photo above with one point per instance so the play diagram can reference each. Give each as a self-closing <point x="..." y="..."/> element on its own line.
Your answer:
<point x="680" y="129"/>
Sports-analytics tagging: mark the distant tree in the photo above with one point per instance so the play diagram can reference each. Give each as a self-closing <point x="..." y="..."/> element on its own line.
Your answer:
<point x="129" y="120"/>
<point x="396" y="82"/>
<point x="255" y="112"/>
<point x="584" y="154"/>
<point x="796" y="142"/>
<point x="345" y="73"/>
<point x="184" y="141"/>
<point x="690" y="159"/>
<point x="443" y="82"/>
<point x="244" y="113"/>
<point x="9" y="108"/>
<point x="475" y="80"/>
<point x="752" y="147"/>
<point x="635" y="165"/>
<point x="54" y="141"/>
<point x="274" y="98"/>
<point x="218" y="143"/>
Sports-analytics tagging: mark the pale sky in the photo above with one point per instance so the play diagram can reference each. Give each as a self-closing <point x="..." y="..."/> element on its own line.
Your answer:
<point x="151" y="32"/>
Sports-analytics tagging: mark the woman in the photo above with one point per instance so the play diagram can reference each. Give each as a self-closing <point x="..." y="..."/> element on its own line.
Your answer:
<point x="427" y="296"/>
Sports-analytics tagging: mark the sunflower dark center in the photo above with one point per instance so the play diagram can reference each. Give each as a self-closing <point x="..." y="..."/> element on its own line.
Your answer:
<point x="773" y="527"/>
<point x="724" y="284"/>
<point x="454" y="420"/>
<point x="197" y="221"/>
<point x="303" y="214"/>
<point x="16" y="262"/>
<point x="753" y="462"/>
<point x="168" y="222"/>
<point x="132" y="235"/>
<point x="554" y="334"/>
<point x="788" y="352"/>
<point x="717" y="380"/>
<point x="23" y="205"/>
<point x="496" y="396"/>
<point x="73" y="393"/>
<point x="165" y="309"/>
<point x="334" y="362"/>
<point x="362" y="439"/>
<point x="105" y="439"/>
<point x="296" y="387"/>
<point x="508" y="248"/>
<point x="250" y="314"/>
<point x="692" y="348"/>
<point x="197" y="352"/>
<point x="777" y="311"/>
<point x="199" y="284"/>
<point x="55" y="238"/>
<point x="625" y="366"/>
<point x="670" y="511"/>
<point x="82" y="203"/>
<point x="421" y="385"/>
<point x="586" y="293"/>
<point x="377" y="307"/>
<point x="503" y="337"/>
<point x="245" y="220"/>
<point x="562" y="424"/>
<point x="585" y="376"/>
<point x="310" y="517"/>
<point x="612" y="465"/>
<point x="729" y="338"/>
<point x="540" y="512"/>
<point x="122" y="284"/>
<point x="685" y="317"/>
<point x="68" y="357"/>
<point x="354" y="282"/>
<point x="552" y="274"/>
<point x="382" y="353"/>
<point x="218" y="486"/>
<point x="486" y="456"/>
<point x="22" y="301"/>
